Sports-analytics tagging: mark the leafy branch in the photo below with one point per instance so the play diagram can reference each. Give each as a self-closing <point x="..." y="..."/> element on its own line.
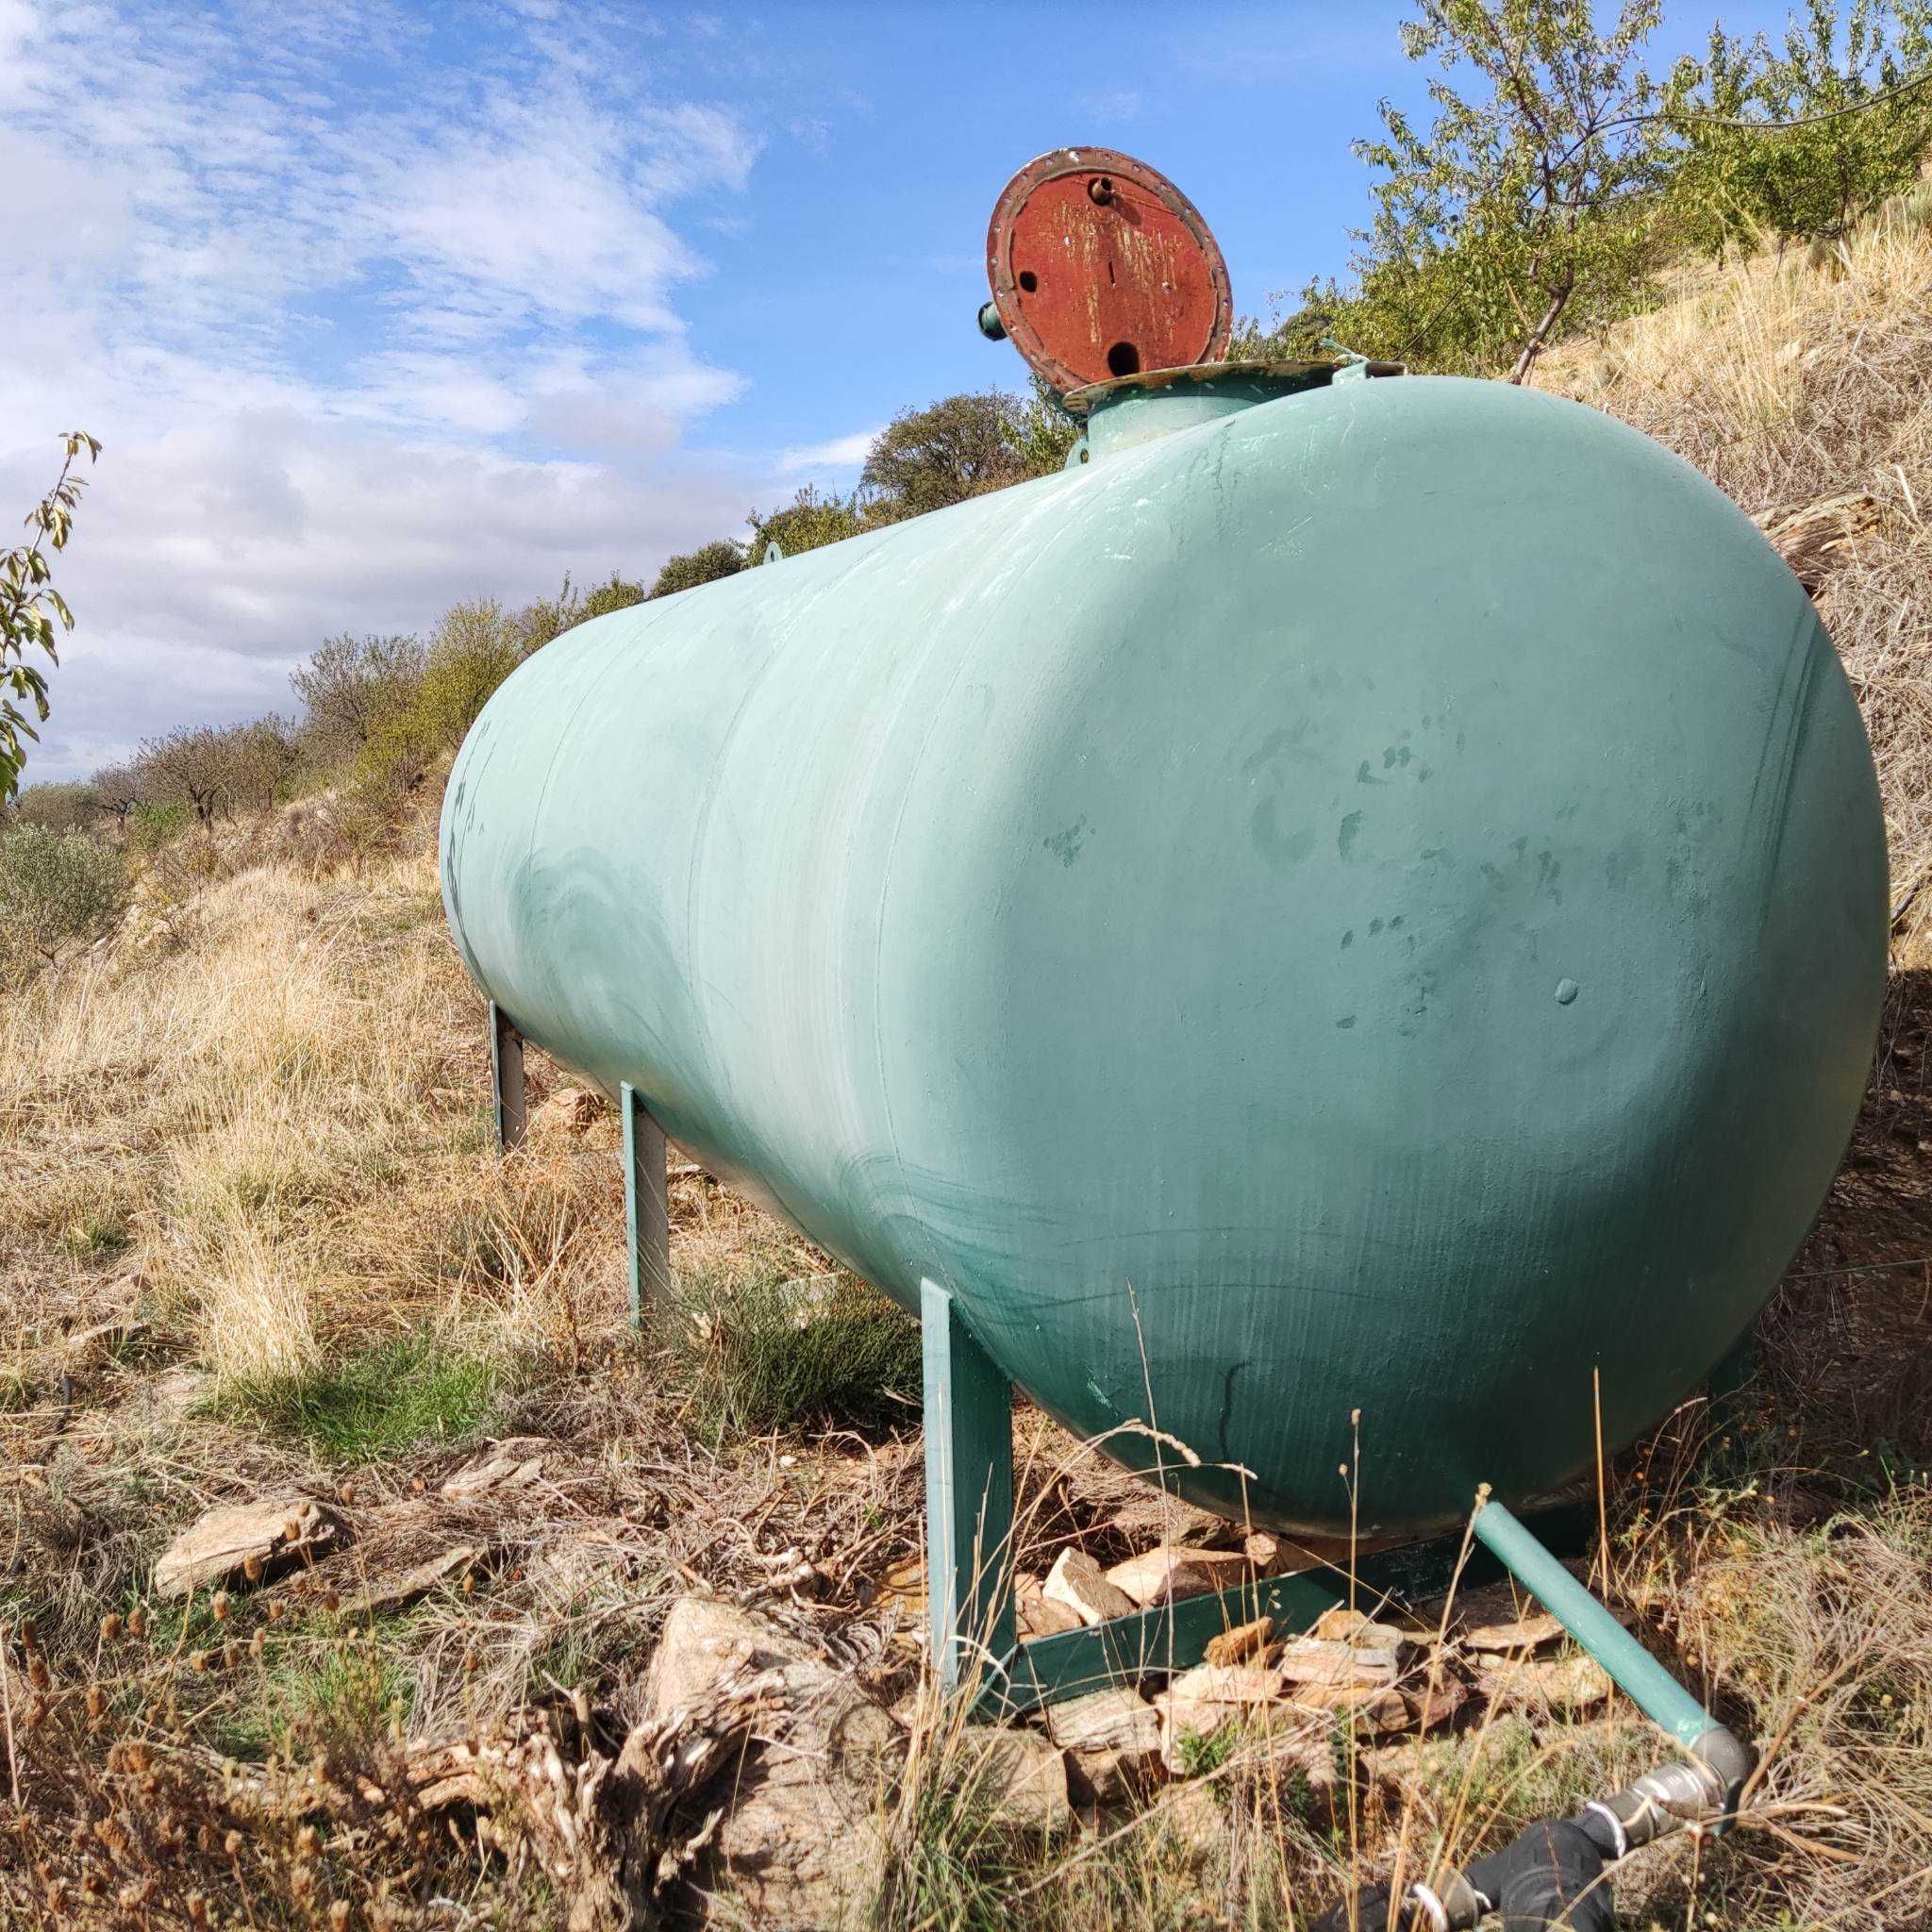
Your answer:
<point x="30" y="607"/>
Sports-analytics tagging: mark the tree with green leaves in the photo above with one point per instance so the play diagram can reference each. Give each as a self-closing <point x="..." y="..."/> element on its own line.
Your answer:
<point x="808" y="522"/>
<point x="1528" y="203"/>
<point x="600" y="600"/>
<point x="30" y="607"/>
<point x="961" y="446"/>
<point x="926" y="459"/>
<point x="475" y="646"/>
<point x="548" y="618"/>
<point x="55" y="808"/>
<point x="263" y="755"/>
<point x="1802" y="139"/>
<point x="703" y="565"/>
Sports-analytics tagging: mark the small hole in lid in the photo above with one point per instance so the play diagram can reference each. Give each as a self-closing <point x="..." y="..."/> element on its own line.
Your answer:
<point x="1124" y="360"/>
<point x="1029" y="281"/>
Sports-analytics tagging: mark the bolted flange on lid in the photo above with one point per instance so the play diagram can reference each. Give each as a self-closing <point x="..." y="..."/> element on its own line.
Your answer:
<point x="1100" y="267"/>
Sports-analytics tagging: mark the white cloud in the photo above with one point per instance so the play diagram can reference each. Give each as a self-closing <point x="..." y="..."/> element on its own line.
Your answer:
<point x="363" y="331"/>
<point x="840" y="453"/>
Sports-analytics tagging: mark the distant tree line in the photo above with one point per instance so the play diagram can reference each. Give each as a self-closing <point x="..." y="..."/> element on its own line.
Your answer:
<point x="923" y="459"/>
<point x="377" y="712"/>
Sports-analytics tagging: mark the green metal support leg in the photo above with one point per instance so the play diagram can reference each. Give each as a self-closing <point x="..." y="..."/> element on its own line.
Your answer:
<point x="646" y="1205"/>
<point x="506" y="1080"/>
<point x="969" y="1496"/>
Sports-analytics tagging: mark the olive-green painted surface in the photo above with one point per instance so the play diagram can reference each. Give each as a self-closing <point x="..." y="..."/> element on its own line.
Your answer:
<point x="1373" y="902"/>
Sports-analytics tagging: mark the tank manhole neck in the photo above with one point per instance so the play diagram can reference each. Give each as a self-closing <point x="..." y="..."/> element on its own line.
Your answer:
<point x="1138" y="408"/>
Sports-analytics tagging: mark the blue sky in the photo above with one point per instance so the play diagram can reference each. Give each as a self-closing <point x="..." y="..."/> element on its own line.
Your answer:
<point x="376" y="305"/>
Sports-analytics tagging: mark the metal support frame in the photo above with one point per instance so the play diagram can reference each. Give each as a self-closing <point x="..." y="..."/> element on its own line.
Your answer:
<point x="968" y="1503"/>
<point x="646" y="1204"/>
<point x="969" y="1496"/>
<point x="506" y="1080"/>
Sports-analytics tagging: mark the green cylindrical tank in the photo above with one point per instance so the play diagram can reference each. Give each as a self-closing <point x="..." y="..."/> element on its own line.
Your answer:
<point x="1374" y="899"/>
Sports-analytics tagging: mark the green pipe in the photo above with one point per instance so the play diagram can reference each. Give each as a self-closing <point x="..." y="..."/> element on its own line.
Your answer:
<point x="1632" y="1669"/>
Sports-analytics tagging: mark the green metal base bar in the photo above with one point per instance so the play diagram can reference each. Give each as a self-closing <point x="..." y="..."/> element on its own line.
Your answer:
<point x="646" y="1204"/>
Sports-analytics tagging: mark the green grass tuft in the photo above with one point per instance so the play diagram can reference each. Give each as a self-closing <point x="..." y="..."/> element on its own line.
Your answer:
<point x="401" y="1393"/>
<point x="95" y="1236"/>
<point x="318" y="1693"/>
<point x="767" y="1352"/>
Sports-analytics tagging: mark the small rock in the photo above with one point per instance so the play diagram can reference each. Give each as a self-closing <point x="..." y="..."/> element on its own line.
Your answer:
<point x="1562" y="1683"/>
<point x="269" y="1534"/>
<point x="1435" y="1704"/>
<point x="1404" y="1771"/>
<point x="903" y="1587"/>
<point x="1521" y="1633"/>
<point x="1267" y="1553"/>
<point x="1020" y="1777"/>
<point x="1191" y="1820"/>
<point x="1304" y="1753"/>
<point x="1226" y="1683"/>
<point x="1368" y="1706"/>
<point x="1344" y="1625"/>
<point x="1076" y="1580"/>
<point x="1167" y="1574"/>
<point x="1238" y="1645"/>
<point x="1036" y="1614"/>
<point x="1199" y="1702"/>
<point x="512" y="1464"/>
<point x="1109" y="1778"/>
<point x="570" y="1111"/>
<point x="797" y="1839"/>
<point x="406" y="1586"/>
<point x="1112" y="1739"/>
<point x="1168" y="1520"/>
<point x="1118" y="1720"/>
<point x="1320" y="1660"/>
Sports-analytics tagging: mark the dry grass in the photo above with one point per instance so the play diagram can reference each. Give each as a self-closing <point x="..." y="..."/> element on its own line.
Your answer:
<point x="1787" y="379"/>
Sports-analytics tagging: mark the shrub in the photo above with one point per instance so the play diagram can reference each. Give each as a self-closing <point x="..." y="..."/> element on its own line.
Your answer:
<point x="58" y="890"/>
<point x="151" y="827"/>
<point x="1857" y="135"/>
<point x="54" y="807"/>
<point x="703" y="565"/>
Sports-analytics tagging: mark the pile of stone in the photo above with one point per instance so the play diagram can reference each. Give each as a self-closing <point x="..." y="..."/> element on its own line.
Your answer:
<point x="1276" y="1697"/>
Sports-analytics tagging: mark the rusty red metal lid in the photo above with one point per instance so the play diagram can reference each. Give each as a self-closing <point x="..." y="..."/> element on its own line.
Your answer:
<point x="1100" y="267"/>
